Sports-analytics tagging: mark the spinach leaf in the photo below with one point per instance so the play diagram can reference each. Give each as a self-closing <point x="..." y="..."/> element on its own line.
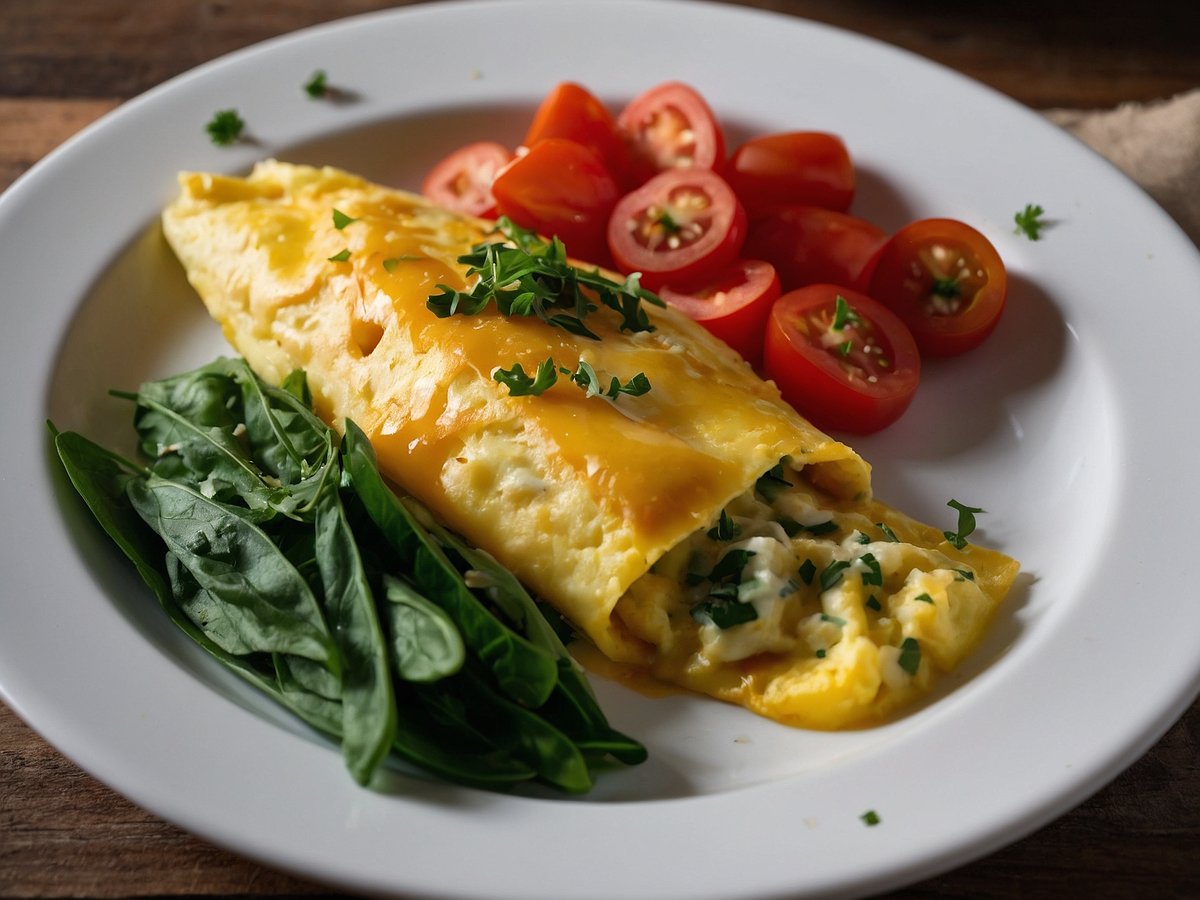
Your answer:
<point x="266" y="600"/>
<point x="525" y="672"/>
<point x="424" y="642"/>
<point x="368" y="707"/>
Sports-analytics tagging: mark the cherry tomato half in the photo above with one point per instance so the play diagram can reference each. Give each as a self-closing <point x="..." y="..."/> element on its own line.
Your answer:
<point x="812" y="245"/>
<point x="945" y="280"/>
<point x="670" y="127"/>
<point x="572" y="112"/>
<point x="680" y="226"/>
<point x="463" y="180"/>
<point x="560" y="188"/>
<point x="733" y="304"/>
<point x="811" y="168"/>
<point x="842" y="360"/>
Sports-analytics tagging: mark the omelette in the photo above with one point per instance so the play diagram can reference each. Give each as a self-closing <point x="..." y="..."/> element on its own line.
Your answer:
<point x="700" y="531"/>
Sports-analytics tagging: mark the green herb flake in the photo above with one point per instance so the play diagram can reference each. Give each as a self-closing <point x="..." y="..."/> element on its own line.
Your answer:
<point x="843" y="314"/>
<point x="923" y="598"/>
<point x="724" y="614"/>
<point x="873" y="603"/>
<point x="887" y="532"/>
<point x="861" y="538"/>
<point x="225" y="127"/>
<point x="845" y="348"/>
<point x="317" y="85"/>
<point x="821" y="653"/>
<point x="964" y="575"/>
<point x="341" y="220"/>
<point x="966" y="524"/>
<point x="807" y="571"/>
<point x="910" y="655"/>
<point x="833" y="620"/>
<point x="873" y="573"/>
<point x="771" y="482"/>
<point x="343" y="256"/>
<point x="1029" y="221"/>
<point x="393" y="262"/>
<point x="725" y="530"/>
<point x="832" y="573"/>
<point x="871" y="818"/>
<point x="730" y="565"/>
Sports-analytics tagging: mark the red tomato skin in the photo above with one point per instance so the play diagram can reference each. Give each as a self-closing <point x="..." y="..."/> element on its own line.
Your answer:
<point x="812" y="245"/>
<point x="893" y="284"/>
<point x="810" y="378"/>
<point x="560" y="188"/>
<point x="748" y="288"/>
<point x="718" y="247"/>
<point x="571" y="112"/>
<point x="809" y="168"/>
<point x="646" y="125"/>
<point x="462" y="181"/>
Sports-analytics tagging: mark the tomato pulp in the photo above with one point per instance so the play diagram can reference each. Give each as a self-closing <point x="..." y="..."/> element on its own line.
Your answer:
<point x="841" y="359"/>
<point x="681" y="226"/>
<point x="670" y="126"/>
<point x="462" y="181"/>
<point x="945" y="280"/>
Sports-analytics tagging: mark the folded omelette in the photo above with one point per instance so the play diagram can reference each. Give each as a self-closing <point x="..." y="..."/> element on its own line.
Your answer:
<point x="702" y="531"/>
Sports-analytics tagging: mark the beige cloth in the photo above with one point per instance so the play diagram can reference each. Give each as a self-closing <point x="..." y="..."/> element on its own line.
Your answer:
<point x="1155" y="144"/>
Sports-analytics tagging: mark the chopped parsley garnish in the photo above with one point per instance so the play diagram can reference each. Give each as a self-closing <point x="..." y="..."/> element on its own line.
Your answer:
<point x="392" y="262"/>
<point x="1029" y="221"/>
<point x="843" y="314"/>
<point x="318" y="85"/>
<point x="946" y="288"/>
<point x="807" y="571"/>
<point x="873" y="574"/>
<point x="520" y="384"/>
<point x="861" y="538"/>
<point x="771" y="482"/>
<point x="721" y="606"/>
<point x="873" y="603"/>
<point x="342" y="256"/>
<point x="225" y="127"/>
<point x="966" y="524"/>
<point x="910" y="655"/>
<point x="833" y="620"/>
<point x="341" y="220"/>
<point x="725" y="530"/>
<point x="821" y="653"/>
<point x="530" y="277"/>
<point x="964" y="575"/>
<point x="923" y="598"/>
<point x="871" y="817"/>
<point x="832" y="573"/>
<point x="723" y="613"/>
<point x="845" y="347"/>
<point x="792" y="528"/>
<point x="887" y="532"/>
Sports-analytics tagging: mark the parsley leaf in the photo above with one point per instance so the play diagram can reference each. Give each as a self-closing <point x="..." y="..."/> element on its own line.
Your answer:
<point x="527" y="276"/>
<point x="832" y="573"/>
<point x="317" y="86"/>
<point x="871" y="818"/>
<point x="520" y="384"/>
<point x="341" y="220"/>
<point x="771" y="482"/>
<point x="1029" y="221"/>
<point x="725" y="530"/>
<point x="966" y="524"/>
<point x="724" y="613"/>
<point x="910" y="655"/>
<point x="341" y="256"/>
<point x="225" y="127"/>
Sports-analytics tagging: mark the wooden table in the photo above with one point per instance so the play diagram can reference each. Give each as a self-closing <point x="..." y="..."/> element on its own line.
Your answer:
<point x="64" y="63"/>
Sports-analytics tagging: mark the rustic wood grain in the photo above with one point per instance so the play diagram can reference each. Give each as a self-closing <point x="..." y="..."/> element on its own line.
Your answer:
<point x="63" y="63"/>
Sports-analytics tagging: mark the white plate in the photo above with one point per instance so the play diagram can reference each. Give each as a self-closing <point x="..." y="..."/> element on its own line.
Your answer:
<point x="1066" y="426"/>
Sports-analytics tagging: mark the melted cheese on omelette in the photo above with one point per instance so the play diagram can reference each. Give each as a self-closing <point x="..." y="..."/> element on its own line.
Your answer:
<point x="601" y="506"/>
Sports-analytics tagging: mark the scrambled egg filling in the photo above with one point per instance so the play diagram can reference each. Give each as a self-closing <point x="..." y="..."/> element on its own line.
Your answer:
<point x="860" y="616"/>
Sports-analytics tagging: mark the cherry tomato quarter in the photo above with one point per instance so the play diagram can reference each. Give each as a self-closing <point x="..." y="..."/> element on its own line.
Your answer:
<point x="681" y="226"/>
<point x="462" y="181"/>
<point x="573" y="113"/>
<point x="560" y="188"/>
<point x="945" y="280"/>
<point x="670" y="126"/>
<point x="810" y="168"/>
<point x="813" y="245"/>
<point x="733" y="305"/>
<point x="844" y="361"/>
